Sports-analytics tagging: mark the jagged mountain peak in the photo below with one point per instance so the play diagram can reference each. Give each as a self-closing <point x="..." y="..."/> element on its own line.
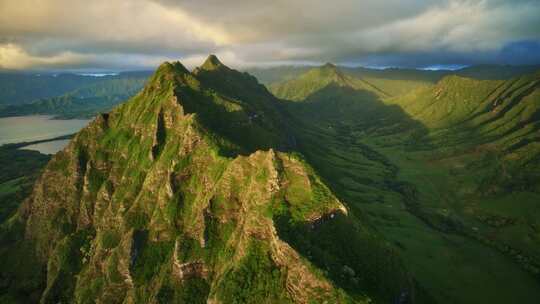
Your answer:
<point x="325" y="74"/>
<point x="318" y="78"/>
<point x="326" y="70"/>
<point x="171" y="68"/>
<point x="166" y="75"/>
<point x="240" y="113"/>
<point x="212" y="63"/>
<point x="329" y="65"/>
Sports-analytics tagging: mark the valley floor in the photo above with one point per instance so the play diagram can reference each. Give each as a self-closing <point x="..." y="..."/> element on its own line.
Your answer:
<point x="461" y="247"/>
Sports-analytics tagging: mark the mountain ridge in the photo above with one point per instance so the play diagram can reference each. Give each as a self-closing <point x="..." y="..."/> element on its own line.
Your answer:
<point x="157" y="201"/>
<point x="317" y="78"/>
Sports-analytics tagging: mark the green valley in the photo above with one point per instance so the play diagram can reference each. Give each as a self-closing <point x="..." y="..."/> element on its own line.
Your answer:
<point x="447" y="172"/>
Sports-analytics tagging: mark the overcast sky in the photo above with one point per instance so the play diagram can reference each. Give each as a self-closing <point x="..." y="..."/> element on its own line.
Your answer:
<point x="140" y="34"/>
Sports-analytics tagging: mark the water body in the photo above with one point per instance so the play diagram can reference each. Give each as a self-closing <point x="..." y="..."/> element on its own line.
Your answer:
<point x="36" y="127"/>
<point x="49" y="147"/>
<point x="39" y="127"/>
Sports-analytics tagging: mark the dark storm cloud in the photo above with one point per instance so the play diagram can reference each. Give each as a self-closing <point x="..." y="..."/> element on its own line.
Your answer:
<point x="141" y="33"/>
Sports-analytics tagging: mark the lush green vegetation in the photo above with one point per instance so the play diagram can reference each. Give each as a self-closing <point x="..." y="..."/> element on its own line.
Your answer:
<point x="372" y="186"/>
<point x="426" y="169"/>
<point x="21" y="278"/>
<point x="394" y="81"/>
<point x="20" y="168"/>
<point x="193" y="291"/>
<point x="174" y="191"/>
<point x="277" y="74"/>
<point x="317" y="79"/>
<point x="338" y="245"/>
<point x="255" y="280"/>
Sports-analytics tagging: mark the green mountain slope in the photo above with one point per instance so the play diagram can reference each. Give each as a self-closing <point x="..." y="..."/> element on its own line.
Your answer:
<point x="20" y="168"/>
<point x="448" y="173"/>
<point x="497" y="117"/>
<point x="448" y="102"/>
<point x="318" y="78"/>
<point x="189" y="193"/>
<point x="271" y="75"/>
<point x="394" y="81"/>
<point x="475" y="112"/>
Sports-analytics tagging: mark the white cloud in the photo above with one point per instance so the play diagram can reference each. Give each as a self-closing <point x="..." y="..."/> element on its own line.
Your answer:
<point x="137" y="33"/>
<point x="14" y="57"/>
<point x="459" y="26"/>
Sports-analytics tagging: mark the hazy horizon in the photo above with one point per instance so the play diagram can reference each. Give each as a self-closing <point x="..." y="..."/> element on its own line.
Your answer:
<point x="104" y="72"/>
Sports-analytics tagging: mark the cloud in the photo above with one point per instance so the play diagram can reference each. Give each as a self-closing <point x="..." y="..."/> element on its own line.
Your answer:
<point x="14" y="57"/>
<point x="47" y="27"/>
<point x="140" y="33"/>
<point x="459" y="26"/>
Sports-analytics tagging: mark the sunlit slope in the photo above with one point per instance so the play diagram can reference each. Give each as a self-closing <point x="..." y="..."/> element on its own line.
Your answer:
<point x="318" y="78"/>
<point x="463" y="111"/>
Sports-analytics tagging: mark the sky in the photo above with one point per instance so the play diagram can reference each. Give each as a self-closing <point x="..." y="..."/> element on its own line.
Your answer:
<point x="140" y="34"/>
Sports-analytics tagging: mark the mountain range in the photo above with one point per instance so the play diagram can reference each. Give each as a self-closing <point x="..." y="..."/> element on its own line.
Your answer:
<point x="325" y="185"/>
<point x="84" y="98"/>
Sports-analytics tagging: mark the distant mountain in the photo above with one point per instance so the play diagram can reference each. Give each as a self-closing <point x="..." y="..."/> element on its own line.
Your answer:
<point x="191" y="192"/>
<point x="497" y="72"/>
<point x="316" y="79"/>
<point x="86" y="101"/>
<point x="18" y="87"/>
<point x="271" y="75"/>
<point x="395" y="81"/>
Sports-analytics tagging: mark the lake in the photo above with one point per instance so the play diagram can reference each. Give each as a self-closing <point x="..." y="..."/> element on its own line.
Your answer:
<point x="38" y="127"/>
<point x="49" y="147"/>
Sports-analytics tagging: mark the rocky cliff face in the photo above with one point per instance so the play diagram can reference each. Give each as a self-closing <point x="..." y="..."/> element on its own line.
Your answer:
<point x="173" y="198"/>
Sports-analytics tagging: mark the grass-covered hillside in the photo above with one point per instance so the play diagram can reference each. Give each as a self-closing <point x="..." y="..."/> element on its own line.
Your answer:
<point x="391" y="81"/>
<point x="20" y="168"/>
<point x="191" y="192"/>
<point x="447" y="172"/>
<point x="270" y="75"/>
<point x="315" y="79"/>
<point x="499" y="117"/>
